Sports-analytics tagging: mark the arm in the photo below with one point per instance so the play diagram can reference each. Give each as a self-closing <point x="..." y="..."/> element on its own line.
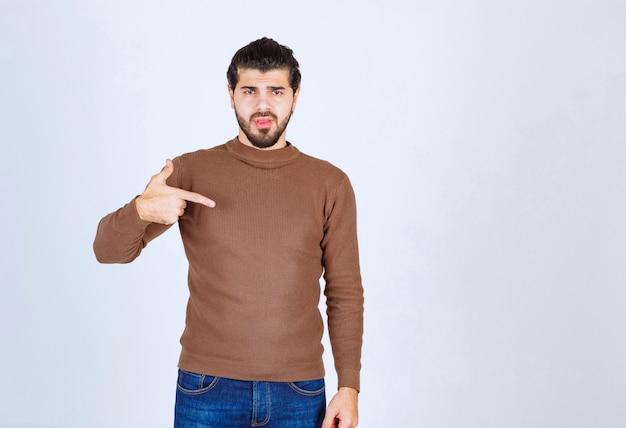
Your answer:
<point x="344" y="301"/>
<point x="123" y="234"/>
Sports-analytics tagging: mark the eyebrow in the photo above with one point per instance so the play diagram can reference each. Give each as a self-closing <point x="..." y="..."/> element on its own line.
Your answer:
<point x="271" y="88"/>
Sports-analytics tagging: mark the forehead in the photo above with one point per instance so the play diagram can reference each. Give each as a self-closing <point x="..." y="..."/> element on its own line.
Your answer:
<point x="257" y="78"/>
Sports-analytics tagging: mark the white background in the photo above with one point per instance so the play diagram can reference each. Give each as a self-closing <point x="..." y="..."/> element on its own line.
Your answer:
<point x="485" y="140"/>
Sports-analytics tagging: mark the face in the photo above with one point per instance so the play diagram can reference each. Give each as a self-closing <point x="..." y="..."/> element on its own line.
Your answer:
<point x="263" y="104"/>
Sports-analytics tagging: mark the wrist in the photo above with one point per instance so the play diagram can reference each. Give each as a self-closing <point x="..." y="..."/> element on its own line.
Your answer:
<point x="348" y="390"/>
<point x="139" y="208"/>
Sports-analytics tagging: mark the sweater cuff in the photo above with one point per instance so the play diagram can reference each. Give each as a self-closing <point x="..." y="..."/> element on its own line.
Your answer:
<point x="349" y="378"/>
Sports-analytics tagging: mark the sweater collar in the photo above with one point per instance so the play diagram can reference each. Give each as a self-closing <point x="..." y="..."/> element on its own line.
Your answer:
<point x="262" y="158"/>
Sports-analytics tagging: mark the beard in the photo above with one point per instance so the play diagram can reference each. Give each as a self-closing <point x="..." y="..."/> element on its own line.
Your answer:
<point x="262" y="138"/>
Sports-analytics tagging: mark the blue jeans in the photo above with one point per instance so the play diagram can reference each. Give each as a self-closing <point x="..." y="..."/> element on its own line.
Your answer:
<point x="204" y="401"/>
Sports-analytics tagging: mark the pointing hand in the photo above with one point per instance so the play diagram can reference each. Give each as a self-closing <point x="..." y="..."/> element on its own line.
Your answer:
<point x="160" y="203"/>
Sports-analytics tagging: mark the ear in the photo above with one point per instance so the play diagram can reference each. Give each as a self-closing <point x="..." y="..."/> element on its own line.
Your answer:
<point x="231" y="95"/>
<point x="295" y="99"/>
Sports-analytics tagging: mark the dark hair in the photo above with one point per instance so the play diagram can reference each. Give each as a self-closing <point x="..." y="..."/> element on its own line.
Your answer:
<point x="264" y="54"/>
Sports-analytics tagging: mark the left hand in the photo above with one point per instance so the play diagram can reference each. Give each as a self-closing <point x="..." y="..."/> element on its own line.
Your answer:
<point x="343" y="409"/>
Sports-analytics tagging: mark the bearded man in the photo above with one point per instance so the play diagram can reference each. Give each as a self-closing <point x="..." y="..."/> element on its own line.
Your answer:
<point x="261" y="223"/>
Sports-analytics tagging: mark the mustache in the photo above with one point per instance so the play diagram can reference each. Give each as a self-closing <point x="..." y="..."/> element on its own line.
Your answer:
<point x="264" y="114"/>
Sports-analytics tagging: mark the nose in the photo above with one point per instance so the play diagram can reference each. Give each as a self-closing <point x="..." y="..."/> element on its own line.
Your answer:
<point x="263" y="103"/>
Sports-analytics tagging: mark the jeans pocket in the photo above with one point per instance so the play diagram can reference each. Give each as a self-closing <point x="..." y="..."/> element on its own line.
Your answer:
<point x="194" y="383"/>
<point x="309" y="387"/>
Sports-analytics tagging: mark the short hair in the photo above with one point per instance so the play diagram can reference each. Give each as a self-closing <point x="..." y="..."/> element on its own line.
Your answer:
<point x="264" y="54"/>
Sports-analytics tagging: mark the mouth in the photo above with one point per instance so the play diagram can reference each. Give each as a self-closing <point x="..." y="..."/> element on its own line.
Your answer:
<point x="263" y="122"/>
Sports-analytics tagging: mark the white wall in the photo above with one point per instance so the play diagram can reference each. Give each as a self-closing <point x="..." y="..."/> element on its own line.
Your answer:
<point x="485" y="141"/>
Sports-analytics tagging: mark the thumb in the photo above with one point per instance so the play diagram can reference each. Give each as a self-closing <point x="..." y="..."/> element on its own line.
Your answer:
<point x="167" y="170"/>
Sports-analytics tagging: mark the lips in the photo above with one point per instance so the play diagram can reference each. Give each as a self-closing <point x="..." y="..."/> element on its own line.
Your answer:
<point x="263" y="122"/>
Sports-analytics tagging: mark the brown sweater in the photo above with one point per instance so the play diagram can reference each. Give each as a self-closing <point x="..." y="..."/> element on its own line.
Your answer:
<point x="282" y="219"/>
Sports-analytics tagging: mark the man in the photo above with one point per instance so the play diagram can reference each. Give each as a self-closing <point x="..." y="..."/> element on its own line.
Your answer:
<point x="276" y="220"/>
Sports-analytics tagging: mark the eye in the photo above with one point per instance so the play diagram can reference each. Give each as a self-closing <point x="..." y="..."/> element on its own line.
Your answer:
<point x="277" y="92"/>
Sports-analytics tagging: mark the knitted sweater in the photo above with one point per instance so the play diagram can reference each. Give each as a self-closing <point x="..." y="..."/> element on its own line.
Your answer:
<point x="282" y="220"/>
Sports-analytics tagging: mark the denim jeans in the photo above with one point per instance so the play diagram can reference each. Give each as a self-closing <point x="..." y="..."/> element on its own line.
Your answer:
<point x="204" y="401"/>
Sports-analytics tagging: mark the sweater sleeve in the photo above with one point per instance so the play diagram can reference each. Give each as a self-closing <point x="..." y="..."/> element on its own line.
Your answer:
<point x="343" y="288"/>
<point x="122" y="235"/>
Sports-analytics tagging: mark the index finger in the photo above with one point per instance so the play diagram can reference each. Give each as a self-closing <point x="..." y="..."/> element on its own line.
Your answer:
<point x="196" y="197"/>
